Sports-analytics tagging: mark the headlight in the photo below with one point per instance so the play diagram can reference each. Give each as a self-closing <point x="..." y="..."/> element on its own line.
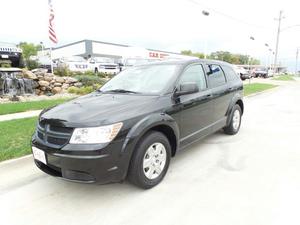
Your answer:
<point x="95" y="135"/>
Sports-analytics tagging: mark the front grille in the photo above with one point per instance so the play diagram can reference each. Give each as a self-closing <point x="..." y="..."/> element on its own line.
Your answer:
<point x="53" y="136"/>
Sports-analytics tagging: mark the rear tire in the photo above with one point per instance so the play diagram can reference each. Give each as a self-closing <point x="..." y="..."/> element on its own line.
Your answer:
<point x="235" y="121"/>
<point x="150" y="160"/>
<point x="96" y="70"/>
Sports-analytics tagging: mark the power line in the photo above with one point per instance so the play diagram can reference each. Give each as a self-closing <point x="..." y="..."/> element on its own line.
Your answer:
<point x="228" y="16"/>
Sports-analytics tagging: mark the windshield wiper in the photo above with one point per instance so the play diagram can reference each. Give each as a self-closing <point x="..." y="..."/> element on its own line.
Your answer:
<point x="121" y="91"/>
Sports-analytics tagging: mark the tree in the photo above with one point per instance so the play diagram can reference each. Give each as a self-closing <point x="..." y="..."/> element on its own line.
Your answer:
<point x="238" y="59"/>
<point x="29" y="49"/>
<point x="190" y="53"/>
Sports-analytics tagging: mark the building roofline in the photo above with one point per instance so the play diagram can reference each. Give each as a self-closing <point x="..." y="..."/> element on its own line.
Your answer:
<point x="109" y="43"/>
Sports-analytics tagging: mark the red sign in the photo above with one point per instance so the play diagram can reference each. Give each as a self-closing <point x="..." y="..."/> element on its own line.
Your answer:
<point x="157" y="55"/>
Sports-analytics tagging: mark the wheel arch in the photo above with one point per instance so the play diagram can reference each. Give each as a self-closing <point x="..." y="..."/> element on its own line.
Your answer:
<point x="237" y="99"/>
<point x="156" y="122"/>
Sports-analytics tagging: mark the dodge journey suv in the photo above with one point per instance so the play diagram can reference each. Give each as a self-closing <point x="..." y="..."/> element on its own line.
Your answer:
<point x="132" y="126"/>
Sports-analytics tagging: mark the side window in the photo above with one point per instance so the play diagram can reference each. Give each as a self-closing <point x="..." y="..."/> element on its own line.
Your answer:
<point x="216" y="75"/>
<point x="194" y="73"/>
<point x="230" y="74"/>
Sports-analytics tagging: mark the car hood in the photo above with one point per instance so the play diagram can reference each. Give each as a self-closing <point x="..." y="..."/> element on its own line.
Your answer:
<point x="99" y="109"/>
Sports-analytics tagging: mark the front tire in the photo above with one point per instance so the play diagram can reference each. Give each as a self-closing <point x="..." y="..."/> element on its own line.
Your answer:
<point x="235" y="121"/>
<point x="150" y="160"/>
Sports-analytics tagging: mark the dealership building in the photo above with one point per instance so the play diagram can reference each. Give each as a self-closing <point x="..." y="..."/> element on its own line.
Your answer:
<point x="91" y="48"/>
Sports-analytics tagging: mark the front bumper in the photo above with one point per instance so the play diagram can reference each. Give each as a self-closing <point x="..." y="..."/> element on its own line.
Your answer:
<point x="109" y="71"/>
<point x="105" y="165"/>
<point x="245" y="76"/>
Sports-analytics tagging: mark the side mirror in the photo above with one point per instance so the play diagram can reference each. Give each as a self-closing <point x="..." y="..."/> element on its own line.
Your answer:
<point x="187" y="88"/>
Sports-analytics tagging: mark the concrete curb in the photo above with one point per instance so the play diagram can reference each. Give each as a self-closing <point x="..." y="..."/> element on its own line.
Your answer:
<point x="263" y="92"/>
<point x="9" y="161"/>
<point x="20" y="115"/>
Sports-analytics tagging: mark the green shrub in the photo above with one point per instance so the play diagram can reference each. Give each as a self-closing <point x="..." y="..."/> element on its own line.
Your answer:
<point x="32" y="64"/>
<point x="81" y="91"/>
<point x="73" y="90"/>
<point x="88" y="80"/>
<point x="5" y="65"/>
<point x="63" y="71"/>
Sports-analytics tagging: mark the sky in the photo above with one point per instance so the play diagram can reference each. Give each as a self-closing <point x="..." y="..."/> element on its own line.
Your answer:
<point x="170" y="25"/>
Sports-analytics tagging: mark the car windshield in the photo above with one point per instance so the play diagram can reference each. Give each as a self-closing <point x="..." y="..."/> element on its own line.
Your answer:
<point x="150" y="79"/>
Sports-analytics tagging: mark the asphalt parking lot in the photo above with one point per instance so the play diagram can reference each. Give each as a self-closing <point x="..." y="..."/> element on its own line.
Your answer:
<point x="251" y="178"/>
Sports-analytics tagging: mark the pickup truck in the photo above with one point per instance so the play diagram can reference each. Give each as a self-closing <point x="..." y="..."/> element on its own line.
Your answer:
<point x="103" y="65"/>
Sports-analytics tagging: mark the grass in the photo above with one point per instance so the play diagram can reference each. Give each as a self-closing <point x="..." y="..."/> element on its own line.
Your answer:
<point x="8" y="108"/>
<point x="15" y="136"/>
<point x="256" y="87"/>
<point x="284" y="78"/>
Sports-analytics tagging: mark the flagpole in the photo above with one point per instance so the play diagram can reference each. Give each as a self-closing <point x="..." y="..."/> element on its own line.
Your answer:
<point x="51" y="32"/>
<point x="51" y="61"/>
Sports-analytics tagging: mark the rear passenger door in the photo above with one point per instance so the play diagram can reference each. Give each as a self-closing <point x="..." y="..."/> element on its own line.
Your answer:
<point x="220" y="93"/>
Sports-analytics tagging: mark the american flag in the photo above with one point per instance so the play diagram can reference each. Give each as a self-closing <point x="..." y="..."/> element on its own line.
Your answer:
<point x="52" y="34"/>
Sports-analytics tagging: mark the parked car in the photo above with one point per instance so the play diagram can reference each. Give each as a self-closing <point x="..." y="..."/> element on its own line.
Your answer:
<point x="260" y="73"/>
<point x="104" y="65"/>
<point x="244" y="74"/>
<point x="133" y="125"/>
<point x="74" y="63"/>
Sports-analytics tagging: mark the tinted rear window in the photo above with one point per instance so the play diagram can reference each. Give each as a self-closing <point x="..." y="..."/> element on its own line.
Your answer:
<point x="229" y="72"/>
<point x="216" y="75"/>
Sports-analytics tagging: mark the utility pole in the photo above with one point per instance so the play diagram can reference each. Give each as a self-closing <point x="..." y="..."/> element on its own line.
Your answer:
<point x="277" y="39"/>
<point x="296" y="67"/>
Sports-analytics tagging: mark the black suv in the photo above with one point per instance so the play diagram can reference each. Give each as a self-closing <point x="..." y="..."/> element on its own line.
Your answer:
<point x="134" y="124"/>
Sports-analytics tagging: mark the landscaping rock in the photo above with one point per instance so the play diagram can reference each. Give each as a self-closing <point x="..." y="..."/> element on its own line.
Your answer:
<point x="30" y="75"/>
<point x="70" y="80"/>
<point x="43" y="83"/>
<point x="57" y="84"/>
<point x="65" y="86"/>
<point x="39" y="71"/>
<point x="59" y="79"/>
<point x="37" y="91"/>
<point x="56" y="90"/>
<point x="48" y="77"/>
<point x="79" y="84"/>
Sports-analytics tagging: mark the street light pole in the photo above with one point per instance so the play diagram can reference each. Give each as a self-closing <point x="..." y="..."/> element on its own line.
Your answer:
<point x="277" y="39"/>
<point x="249" y="61"/>
<point x="205" y="13"/>
<point x="267" y="56"/>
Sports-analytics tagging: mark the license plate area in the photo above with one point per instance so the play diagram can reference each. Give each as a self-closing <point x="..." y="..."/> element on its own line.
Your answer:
<point x="39" y="155"/>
